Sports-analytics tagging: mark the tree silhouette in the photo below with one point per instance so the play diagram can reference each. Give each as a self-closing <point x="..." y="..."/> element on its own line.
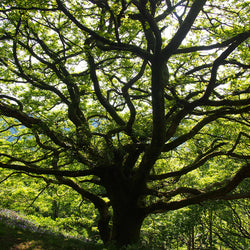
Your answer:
<point x="140" y="106"/>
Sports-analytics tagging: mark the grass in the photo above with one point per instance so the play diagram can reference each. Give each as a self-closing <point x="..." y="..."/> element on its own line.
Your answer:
<point x="14" y="238"/>
<point x="17" y="232"/>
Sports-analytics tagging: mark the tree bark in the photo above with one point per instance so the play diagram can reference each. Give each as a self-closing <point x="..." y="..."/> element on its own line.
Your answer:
<point x="127" y="224"/>
<point x="126" y="203"/>
<point x="104" y="228"/>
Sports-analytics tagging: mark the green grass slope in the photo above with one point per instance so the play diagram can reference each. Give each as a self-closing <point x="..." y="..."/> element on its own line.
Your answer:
<point x="14" y="238"/>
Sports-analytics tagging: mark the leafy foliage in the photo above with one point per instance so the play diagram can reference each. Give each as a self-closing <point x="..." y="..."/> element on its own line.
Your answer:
<point x="140" y="107"/>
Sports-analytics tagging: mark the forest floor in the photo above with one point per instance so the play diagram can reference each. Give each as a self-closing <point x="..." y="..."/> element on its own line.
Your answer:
<point x="20" y="239"/>
<point x="18" y="233"/>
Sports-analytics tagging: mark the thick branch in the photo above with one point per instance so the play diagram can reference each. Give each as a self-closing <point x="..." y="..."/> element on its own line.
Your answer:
<point x="220" y="60"/>
<point x="110" y="109"/>
<point x="184" y="28"/>
<point x="156" y="34"/>
<point x="100" y="204"/>
<point x="31" y="122"/>
<point x="126" y="95"/>
<point x="13" y="99"/>
<point x="111" y="45"/>
<point x="209" y="47"/>
<point x="37" y="170"/>
<point x="216" y="115"/>
<point x="168" y="11"/>
<point x="171" y="194"/>
<point x="196" y="164"/>
<point x="28" y="8"/>
<point x="218" y="194"/>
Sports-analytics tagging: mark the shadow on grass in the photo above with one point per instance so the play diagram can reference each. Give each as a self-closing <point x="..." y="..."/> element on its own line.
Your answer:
<point x="13" y="238"/>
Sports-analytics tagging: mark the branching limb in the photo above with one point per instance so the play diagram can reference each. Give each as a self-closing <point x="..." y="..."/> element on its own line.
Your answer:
<point x="210" y="47"/>
<point x="39" y="83"/>
<point x="218" y="114"/>
<point x="31" y="122"/>
<point x="110" y="109"/>
<point x="200" y="160"/>
<point x="178" y="191"/>
<point x="184" y="28"/>
<point x="28" y="8"/>
<point x="8" y="176"/>
<point x="155" y="38"/>
<point x="74" y="112"/>
<point x="126" y="95"/>
<point x="10" y="127"/>
<point x="196" y="164"/>
<point x="100" y="204"/>
<point x="28" y="163"/>
<point x="43" y="189"/>
<point x="110" y="44"/>
<point x="219" y="61"/>
<point x="37" y="170"/>
<point x="238" y="222"/>
<point x="13" y="99"/>
<point x="169" y="10"/>
<point x="222" y="193"/>
<point x="238" y="141"/>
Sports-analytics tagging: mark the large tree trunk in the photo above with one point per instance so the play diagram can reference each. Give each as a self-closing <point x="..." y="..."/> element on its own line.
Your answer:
<point x="127" y="215"/>
<point x="127" y="224"/>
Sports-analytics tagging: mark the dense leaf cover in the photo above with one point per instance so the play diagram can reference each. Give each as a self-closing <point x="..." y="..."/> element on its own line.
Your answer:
<point x="141" y="107"/>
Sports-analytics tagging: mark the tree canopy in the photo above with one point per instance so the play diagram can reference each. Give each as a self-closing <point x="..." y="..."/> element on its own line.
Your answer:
<point x="140" y="106"/>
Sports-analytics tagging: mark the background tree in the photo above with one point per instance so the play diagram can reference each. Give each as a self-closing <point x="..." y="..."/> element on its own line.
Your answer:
<point x="141" y="107"/>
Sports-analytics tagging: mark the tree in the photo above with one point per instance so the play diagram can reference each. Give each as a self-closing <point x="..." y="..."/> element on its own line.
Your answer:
<point x="140" y="106"/>
<point x="231" y="225"/>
